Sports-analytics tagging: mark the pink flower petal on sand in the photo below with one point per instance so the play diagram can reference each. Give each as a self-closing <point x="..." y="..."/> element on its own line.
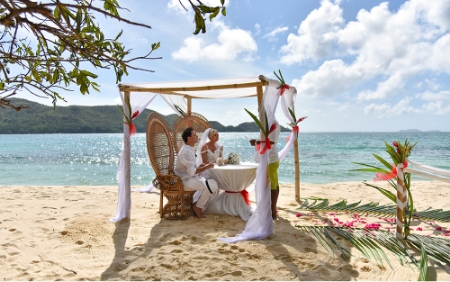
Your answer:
<point x="438" y="228"/>
<point x="419" y="229"/>
<point x="298" y="215"/>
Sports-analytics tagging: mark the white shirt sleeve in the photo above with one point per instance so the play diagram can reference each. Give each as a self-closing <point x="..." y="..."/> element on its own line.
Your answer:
<point x="188" y="160"/>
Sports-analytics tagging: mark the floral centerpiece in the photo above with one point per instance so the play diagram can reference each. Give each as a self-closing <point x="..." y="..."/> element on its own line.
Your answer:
<point x="233" y="158"/>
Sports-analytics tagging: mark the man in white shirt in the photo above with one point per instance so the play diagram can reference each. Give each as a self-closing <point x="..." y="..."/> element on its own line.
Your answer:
<point x="187" y="170"/>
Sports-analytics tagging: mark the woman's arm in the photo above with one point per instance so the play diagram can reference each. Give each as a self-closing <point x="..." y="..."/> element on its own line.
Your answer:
<point x="203" y="152"/>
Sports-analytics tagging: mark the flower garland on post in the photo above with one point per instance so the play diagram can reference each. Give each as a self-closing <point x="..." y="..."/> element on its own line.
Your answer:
<point x="283" y="85"/>
<point x="294" y="125"/>
<point x="265" y="130"/>
<point x="130" y="117"/>
<point x="405" y="205"/>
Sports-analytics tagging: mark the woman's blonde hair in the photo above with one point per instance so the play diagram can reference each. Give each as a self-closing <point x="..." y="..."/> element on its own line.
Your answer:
<point x="212" y="132"/>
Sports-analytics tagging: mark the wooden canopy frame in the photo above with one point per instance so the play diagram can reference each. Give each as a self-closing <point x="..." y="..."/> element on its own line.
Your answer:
<point x="190" y="92"/>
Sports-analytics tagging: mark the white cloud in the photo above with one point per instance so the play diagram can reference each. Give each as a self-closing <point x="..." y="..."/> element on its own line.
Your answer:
<point x="438" y="103"/>
<point x="437" y="108"/>
<point x="380" y="46"/>
<point x="271" y="36"/>
<point x="387" y="110"/>
<point x="430" y="96"/>
<point x="230" y="44"/>
<point x="315" y="35"/>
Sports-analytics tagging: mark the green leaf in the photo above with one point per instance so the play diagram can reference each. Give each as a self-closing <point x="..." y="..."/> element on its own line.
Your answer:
<point x="257" y="121"/>
<point x="292" y="114"/>
<point x="56" y="13"/>
<point x="118" y="35"/>
<point x="155" y="46"/>
<point x="388" y="165"/>
<point x="222" y="2"/>
<point x="423" y="275"/>
<point x="383" y="191"/>
<point x="224" y="11"/>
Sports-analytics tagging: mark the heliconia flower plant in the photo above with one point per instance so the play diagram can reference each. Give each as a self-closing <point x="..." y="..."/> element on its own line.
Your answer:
<point x="399" y="152"/>
<point x="295" y="125"/>
<point x="283" y="85"/>
<point x="265" y="130"/>
<point x="130" y="117"/>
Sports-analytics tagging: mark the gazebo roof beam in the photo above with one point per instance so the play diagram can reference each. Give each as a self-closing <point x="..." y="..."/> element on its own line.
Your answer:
<point x="175" y="90"/>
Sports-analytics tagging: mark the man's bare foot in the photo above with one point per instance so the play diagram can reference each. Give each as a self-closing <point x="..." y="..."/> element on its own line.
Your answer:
<point x="198" y="212"/>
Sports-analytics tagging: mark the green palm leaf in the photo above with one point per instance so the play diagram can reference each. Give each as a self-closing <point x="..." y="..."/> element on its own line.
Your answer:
<point x="383" y="191"/>
<point x="257" y="122"/>
<point x="423" y="265"/>
<point x="388" y="165"/>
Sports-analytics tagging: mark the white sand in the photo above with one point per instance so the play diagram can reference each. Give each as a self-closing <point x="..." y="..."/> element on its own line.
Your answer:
<point x="63" y="233"/>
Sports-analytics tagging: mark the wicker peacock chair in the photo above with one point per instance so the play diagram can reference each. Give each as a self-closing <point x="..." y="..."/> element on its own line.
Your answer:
<point x="162" y="152"/>
<point x="198" y="122"/>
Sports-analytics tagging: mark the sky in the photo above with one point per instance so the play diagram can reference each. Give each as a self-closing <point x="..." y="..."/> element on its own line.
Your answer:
<point x="358" y="66"/>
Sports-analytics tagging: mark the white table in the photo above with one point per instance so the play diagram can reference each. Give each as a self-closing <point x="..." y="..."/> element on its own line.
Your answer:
<point x="232" y="178"/>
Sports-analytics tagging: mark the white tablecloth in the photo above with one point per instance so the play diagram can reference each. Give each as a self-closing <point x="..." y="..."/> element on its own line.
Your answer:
<point x="232" y="178"/>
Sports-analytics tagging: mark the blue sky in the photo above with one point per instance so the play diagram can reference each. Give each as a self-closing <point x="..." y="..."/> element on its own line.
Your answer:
<point x="357" y="65"/>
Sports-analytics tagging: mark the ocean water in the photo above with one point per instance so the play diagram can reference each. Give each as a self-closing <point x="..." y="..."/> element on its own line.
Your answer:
<point x="92" y="159"/>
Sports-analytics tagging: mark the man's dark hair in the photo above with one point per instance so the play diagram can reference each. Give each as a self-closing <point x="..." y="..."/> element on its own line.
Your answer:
<point x="187" y="133"/>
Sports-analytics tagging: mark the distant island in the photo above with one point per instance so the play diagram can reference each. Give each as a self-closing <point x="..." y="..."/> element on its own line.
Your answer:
<point x="417" y="130"/>
<point x="39" y="118"/>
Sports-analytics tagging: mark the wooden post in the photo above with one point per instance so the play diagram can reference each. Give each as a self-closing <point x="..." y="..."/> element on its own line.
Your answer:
<point x="259" y="93"/>
<point x="402" y="197"/>
<point x="297" y="171"/>
<point x="189" y="105"/>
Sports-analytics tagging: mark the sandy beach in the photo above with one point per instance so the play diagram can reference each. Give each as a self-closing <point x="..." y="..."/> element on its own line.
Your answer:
<point x="63" y="233"/>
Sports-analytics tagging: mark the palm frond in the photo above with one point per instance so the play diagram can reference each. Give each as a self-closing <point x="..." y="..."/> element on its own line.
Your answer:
<point x="321" y="204"/>
<point x="423" y="265"/>
<point x="371" y="243"/>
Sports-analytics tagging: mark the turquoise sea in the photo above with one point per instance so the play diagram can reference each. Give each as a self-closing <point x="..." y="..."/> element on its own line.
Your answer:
<point x="92" y="159"/>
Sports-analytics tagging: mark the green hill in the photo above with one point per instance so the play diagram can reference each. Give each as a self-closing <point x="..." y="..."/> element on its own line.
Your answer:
<point x="83" y="119"/>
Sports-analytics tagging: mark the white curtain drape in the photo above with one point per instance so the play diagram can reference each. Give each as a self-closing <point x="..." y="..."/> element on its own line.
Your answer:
<point x="260" y="224"/>
<point x="138" y="102"/>
<point x="176" y="100"/>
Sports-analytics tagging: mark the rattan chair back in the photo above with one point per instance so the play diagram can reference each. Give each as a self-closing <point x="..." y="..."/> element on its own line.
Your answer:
<point x="160" y="146"/>
<point x="198" y="122"/>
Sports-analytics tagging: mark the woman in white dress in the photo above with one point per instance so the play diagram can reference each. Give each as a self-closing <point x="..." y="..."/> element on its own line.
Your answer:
<point x="211" y="151"/>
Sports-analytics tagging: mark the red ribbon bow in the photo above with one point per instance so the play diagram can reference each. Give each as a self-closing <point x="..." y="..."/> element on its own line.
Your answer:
<point x="244" y="194"/>
<point x="283" y="88"/>
<point x="132" y="127"/>
<point x="380" y="176"/>
<point x="267" y="146"/>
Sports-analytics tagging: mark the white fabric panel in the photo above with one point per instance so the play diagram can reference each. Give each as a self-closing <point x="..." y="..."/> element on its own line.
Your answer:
<point x="427" y="175"/>
<point x="138" y="102"/>
<point x="173" y="100"/>
<point x="430" y="168"/>
<point x="260" y="224"/>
